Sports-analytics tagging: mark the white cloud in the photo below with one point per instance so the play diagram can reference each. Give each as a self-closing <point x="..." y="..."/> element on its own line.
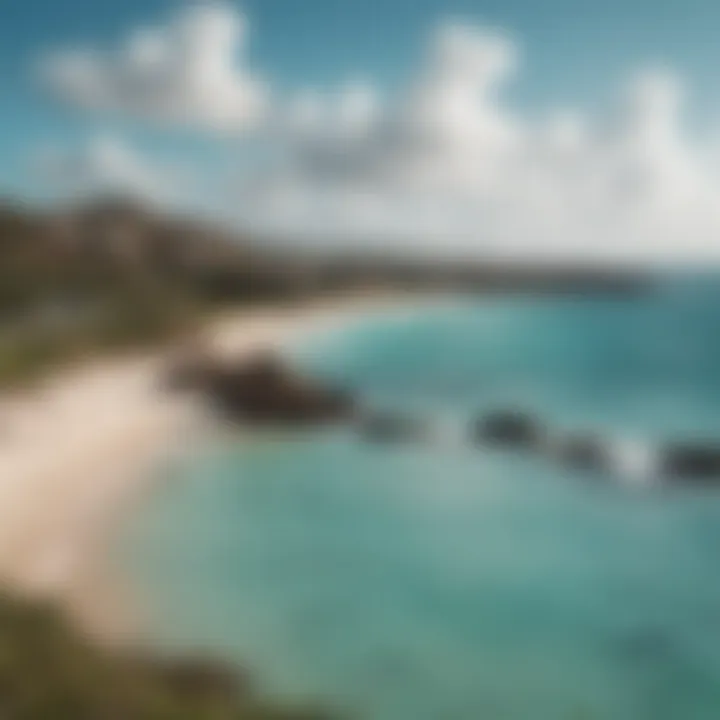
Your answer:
<point x="186" y="72"/>
<point x="343" y="115"/>
<point x="107" y="165"/>
<point x="444" y="164"/>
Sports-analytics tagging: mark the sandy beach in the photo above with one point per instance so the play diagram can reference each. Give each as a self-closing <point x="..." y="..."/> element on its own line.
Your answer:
<point x="79" y="448"/>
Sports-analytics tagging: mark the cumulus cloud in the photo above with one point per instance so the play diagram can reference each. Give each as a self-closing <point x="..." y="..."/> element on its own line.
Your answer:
<point x="108" y="166"/>
<point x="447" y="166"/>
<point x="444" y="165"/>
<point x="186" y="72"/>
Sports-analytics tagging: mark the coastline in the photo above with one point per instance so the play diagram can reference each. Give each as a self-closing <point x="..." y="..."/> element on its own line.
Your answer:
<point x="77" y="451"/>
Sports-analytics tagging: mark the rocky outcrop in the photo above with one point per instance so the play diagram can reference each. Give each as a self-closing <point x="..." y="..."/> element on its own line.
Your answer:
<point x="263" y="390"/>
<point x="509" y="429"/>
<point x="582" y="452"/>
<point x="691" y="462"/>
<point x="260" y="390"/>
<point x="195" y="679"/>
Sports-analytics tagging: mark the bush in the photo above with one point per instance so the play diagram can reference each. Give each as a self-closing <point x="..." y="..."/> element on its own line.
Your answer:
<point x="48" y="671"/>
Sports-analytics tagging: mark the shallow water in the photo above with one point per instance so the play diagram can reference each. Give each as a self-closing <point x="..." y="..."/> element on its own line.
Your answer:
<point x="443" y="582"/>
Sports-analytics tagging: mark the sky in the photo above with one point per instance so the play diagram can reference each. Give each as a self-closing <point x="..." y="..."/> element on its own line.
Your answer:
<point x="514" y="128"/>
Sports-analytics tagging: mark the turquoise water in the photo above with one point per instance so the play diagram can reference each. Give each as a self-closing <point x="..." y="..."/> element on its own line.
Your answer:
<point x="413" y="583"/>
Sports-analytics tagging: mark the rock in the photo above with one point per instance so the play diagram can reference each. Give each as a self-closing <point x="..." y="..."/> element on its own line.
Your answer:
<point x="263" y="390"/>
<point x="510" y="429"/>
<point x="388" y="427"/>
<point x="194" y="679"/>
<point x="691" y="462"/>
<point x="583" y="452"/>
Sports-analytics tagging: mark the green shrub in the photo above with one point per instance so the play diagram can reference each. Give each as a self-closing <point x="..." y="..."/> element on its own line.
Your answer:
<point x="48" y="671"/>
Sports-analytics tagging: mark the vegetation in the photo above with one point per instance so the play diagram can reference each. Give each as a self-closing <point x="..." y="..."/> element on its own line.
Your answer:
<point x="48" y="671"/>
<point x="112" y="274"/>
<point x="101" y="277"/>
<point x="107" y="277"/>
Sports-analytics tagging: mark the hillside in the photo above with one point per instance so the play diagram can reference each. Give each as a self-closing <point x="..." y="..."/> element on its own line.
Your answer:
<point x="109" y="273"/>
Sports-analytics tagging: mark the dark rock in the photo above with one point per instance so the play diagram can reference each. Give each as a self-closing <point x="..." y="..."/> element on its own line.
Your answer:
<point x="263" y="390"/>
<point x="691" y="462"/>
<point x="583" y="452"/>
<point x="388" y="427"/>
<point x="195" y="679"/>
<point x="509" y="428"/>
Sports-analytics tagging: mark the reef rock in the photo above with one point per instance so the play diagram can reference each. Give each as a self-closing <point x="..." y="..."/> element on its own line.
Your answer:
<point x="509" y="429"/>
<point x="262" y="389"/>
<point x="583" y="452"/>
<point x="691" y="462"/>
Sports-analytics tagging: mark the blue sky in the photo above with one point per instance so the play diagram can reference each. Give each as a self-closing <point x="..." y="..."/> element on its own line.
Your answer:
<point x="575" y="53"/>
<point x="574" y="44"/>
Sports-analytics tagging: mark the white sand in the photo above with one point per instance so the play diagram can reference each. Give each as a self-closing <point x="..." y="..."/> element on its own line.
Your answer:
<point x="77" y="449"/>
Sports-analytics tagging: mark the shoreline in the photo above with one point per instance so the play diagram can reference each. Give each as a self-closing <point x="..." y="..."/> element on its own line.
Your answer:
<point x="77" y="452"/>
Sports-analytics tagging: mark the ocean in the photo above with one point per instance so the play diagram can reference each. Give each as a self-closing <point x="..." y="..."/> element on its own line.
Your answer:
<point x="444" y="581"/>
